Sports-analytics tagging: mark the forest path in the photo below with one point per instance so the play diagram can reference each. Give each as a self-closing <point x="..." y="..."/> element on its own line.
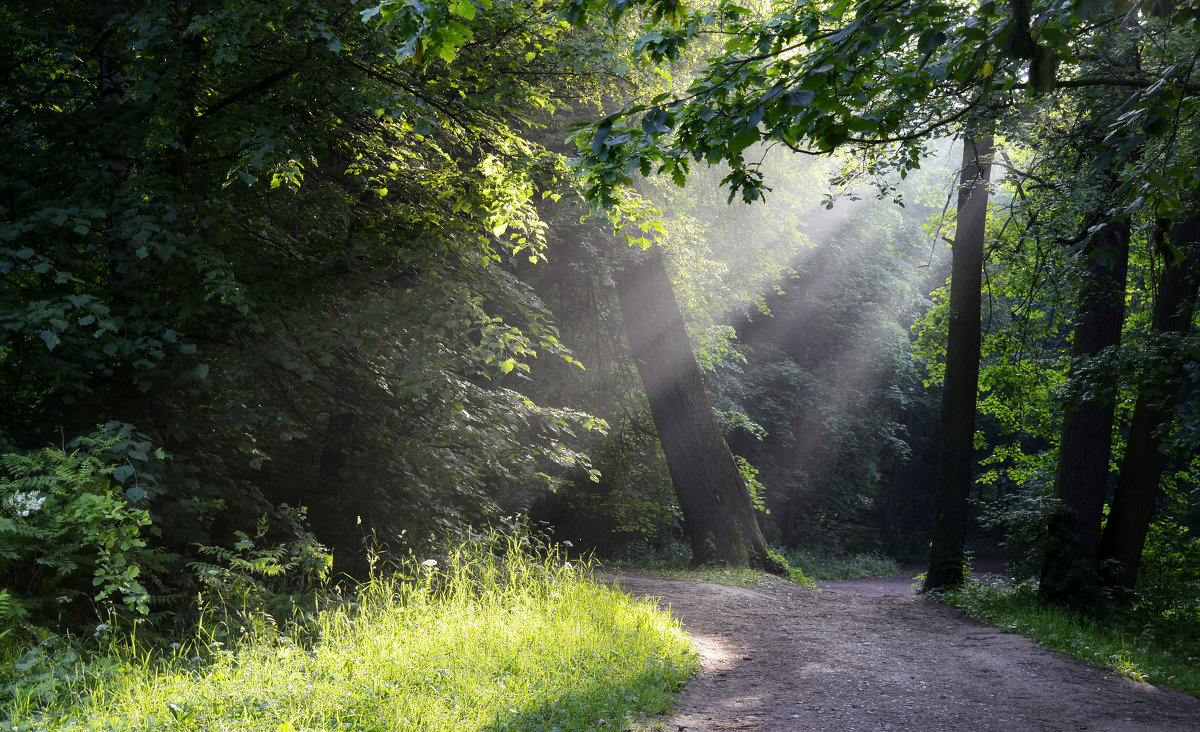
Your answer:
<point x="790" y="658"/>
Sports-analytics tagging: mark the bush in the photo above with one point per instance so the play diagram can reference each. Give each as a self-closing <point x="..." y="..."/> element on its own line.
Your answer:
<point x="822" y="565"/>
<point x="72" y="545"/>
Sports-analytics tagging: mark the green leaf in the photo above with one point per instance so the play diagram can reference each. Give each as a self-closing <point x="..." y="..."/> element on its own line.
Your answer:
<point x="1088" y="9"/>
<point x="123" y="473"/>
<point x="1042" y="69"/>
<point x="599" y="138"/>
<point x="800" y="97"/>
<point x="463" y="9"/>
<point x="742" y="141"/>
<point x="1107" y="257"/>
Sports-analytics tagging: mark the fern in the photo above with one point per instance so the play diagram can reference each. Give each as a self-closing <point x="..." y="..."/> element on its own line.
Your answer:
<point x="67" y="530"/>
<point x="254" y="582"/>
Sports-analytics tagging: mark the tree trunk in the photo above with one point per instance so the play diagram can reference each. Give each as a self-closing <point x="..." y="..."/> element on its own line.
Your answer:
<point x="334" y="517"/>
<point x="1132" y="508"/>
<point x="1081" y="478"/>
<point x="712" y="495"/>
<point x="956" y="449"/>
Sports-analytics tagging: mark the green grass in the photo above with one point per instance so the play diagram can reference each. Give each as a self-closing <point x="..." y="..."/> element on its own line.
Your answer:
<point x="806" y="567"/>
<point x="822" y="566"/>
<point x="1138" y="644"/>
<point x="720" y="575"/>
<point x="673" y="561"/>
<point x="489" y="639"/>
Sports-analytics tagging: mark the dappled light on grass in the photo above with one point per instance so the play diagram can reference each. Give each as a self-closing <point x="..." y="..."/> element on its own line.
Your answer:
<point x="493" y="639"/>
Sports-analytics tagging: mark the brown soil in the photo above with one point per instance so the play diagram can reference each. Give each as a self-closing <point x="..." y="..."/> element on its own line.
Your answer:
<point x="872" y="655"/>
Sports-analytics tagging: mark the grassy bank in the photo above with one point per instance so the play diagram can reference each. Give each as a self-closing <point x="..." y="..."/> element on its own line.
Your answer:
<point x="488" y="638"/>
<point x="1142" y="645"/>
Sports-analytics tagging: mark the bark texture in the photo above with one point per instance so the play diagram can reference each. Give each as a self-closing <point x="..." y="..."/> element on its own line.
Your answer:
<point x="959" y="392"/>
<point x="1081" y="477"/>
<point x="716" y="504"/>
<point x="1132" y="507"/>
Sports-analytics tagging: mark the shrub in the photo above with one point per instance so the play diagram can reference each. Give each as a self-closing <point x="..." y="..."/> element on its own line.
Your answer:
<point x="71" y="529"/>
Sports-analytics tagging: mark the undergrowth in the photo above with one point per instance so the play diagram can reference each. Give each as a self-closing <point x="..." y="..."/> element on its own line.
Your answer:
<point x="823" y="565"/>
<point x="806" y="566"/>
<point x="1136" y="642"/>
<point x="674" y="562"/>
<point x="719" y="575"/>
<point x="497" y="633"/>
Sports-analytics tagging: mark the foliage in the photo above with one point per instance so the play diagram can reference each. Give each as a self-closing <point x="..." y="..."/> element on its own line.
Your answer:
<point x="434" y="646"/>
<point x="1169" y="576"/>
<point x="1111" y="105"/>
<point x="1141" y="645"/>
<point x="282" y="251"/>
<point x="827" y="374"/>
<point x="821" y="564"/>
<point x="255" y="582"/>
<point x="72" y="541"/>
<point x="719" y="575"/>
<point x="633" y="496"/>
<point x="884" y="77"/>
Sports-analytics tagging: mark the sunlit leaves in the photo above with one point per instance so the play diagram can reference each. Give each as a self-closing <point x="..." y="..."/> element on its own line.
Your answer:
<point x="870" y="74"/>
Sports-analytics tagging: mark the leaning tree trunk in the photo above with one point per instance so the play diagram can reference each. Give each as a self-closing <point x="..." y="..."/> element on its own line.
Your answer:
<point x="1073" y="538"/>
<point x="1132" y="508"/>
<point x="947" y="549"/>
<point x="714" y="499"/>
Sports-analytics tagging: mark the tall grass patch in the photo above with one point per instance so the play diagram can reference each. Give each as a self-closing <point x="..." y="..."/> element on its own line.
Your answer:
<point x="496" y="633"/>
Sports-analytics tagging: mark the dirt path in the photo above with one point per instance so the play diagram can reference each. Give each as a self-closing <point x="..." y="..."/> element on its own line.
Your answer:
<point x="870" y="655"/>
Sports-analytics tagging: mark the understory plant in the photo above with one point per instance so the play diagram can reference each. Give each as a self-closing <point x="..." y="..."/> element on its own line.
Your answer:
<point x="823" y="564"/>
<point x="72" y="521"/>
<point x="498" y="631"/>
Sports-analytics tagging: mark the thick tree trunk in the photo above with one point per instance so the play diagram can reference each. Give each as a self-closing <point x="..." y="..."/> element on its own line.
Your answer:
<point x="1141" y="469"/>
<point x="712" y="495"/>
<point x="956" y="449"/>
<point x="1069" y="568"/>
